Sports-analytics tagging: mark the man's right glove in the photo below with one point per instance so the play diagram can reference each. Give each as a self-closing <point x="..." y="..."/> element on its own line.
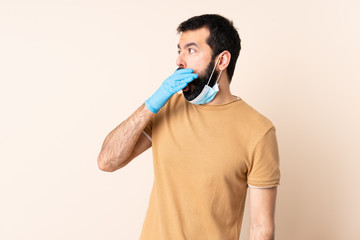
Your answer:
<point x="169" y="87"/>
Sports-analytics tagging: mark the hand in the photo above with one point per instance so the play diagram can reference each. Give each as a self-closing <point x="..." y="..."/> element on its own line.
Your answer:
<point x="169" y="87"/>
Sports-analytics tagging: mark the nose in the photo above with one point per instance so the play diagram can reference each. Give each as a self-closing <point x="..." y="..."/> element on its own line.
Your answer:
<point x="180" y="61"/>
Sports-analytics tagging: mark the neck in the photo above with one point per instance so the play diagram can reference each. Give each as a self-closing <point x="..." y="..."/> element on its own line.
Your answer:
<point x="224" y="95"/>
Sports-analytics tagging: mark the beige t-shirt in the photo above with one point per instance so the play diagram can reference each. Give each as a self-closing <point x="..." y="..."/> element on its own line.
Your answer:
<point x="205" y="156"/>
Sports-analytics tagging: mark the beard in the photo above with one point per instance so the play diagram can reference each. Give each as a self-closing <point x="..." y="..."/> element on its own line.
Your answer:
<point x="198" y="84"/>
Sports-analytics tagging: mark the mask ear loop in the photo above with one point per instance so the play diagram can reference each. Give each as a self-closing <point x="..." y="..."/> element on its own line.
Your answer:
<point x="218" y="78"/>
<point x="213" y="71"/>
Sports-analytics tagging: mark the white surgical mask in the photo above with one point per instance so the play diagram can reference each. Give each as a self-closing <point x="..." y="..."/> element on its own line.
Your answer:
<point x="208" y="93"/>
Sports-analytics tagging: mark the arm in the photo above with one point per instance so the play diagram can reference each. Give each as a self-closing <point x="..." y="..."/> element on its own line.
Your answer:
<point x="262" y="211"/>
<point x="126" y="141"/>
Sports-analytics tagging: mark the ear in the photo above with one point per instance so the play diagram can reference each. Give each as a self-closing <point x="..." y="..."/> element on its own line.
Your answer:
<point x="224" y="61"/>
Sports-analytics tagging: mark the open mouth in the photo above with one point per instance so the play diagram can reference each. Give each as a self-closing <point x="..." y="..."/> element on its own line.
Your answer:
<point x="190" y="87"/>
<point x="185" y="89"/>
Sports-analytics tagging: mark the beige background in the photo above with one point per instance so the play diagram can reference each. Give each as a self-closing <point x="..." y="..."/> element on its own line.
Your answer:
<point x="71" y="71"/>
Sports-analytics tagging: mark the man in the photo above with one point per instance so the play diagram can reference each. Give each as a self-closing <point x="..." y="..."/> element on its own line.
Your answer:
<point x="208" y="145"/>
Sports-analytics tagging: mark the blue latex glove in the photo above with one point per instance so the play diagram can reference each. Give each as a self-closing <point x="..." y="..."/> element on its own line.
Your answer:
<point x="169" y="87"/>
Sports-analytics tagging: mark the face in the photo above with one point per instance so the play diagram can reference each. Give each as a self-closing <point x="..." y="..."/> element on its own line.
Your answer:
<point x="195" y="53"/>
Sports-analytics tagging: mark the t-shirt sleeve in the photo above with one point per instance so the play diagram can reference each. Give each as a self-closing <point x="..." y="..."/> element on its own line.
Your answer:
<point x="264" y="168"/>
<point x="148" y="129"/>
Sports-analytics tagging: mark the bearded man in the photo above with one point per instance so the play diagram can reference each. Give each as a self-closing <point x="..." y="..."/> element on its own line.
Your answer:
<point x="209" y="146"/>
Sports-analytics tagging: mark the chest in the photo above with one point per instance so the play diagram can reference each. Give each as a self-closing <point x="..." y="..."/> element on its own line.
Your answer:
<point x="201" y="147"/>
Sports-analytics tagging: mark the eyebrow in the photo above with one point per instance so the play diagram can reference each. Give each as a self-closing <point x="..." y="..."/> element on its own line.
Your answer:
<point x="189" y="44"/>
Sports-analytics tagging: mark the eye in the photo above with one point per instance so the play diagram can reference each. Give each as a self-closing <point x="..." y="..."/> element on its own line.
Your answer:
<point x="178" y="51"/>
<point x="191" y="50"/>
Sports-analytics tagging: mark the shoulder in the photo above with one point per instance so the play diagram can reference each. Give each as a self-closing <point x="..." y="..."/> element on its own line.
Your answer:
<point x="175" y="101"/>
<point x="252" y="117"/>
<point x="250" y="124"/>
<point x="173" y="108"/>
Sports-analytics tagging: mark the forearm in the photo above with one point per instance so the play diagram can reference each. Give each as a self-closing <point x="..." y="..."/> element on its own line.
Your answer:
<point x="120" y="142"/>
<point x="261" y="232"/>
